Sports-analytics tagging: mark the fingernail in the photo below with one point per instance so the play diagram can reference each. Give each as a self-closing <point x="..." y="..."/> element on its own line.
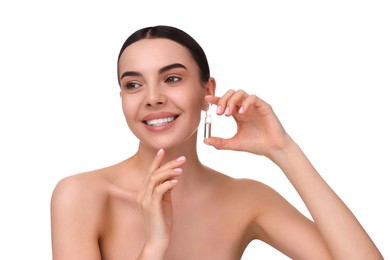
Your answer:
<point x="178" y="170"/>
<point x="160" y="151"/>
<point x="227" y="111"/>
<point x="180" y="159"/>
<point x="241" y="110"/>
<point x="174" y="181"/>
<point x="219" y="109"/>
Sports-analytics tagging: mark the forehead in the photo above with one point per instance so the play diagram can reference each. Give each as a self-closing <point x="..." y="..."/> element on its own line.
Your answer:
<point x="153" y="54"/>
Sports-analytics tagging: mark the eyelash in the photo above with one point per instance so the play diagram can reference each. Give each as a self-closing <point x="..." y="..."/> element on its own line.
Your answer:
<point x="169" y="80"/>
<point x="130" y="85"/>
<point x="172" y="79"/>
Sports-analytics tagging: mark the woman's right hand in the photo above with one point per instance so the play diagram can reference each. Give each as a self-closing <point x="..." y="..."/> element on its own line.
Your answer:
<point x="154" y="199"/>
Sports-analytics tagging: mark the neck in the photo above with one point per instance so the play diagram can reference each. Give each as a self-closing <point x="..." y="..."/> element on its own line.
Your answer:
<point x="192" y="170"/>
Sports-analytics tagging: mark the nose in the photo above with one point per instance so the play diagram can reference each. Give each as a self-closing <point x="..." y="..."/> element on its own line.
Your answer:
<point x="155" y="97"/>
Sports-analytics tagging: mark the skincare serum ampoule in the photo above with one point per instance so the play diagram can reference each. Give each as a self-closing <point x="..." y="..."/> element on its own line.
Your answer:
<point x="207" y="122"/>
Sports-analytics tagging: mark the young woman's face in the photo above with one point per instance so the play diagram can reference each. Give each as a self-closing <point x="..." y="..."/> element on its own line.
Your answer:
<point x="162" y="96"/>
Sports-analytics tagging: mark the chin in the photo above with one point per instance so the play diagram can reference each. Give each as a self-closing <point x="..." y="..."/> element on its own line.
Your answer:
<point x="168" y="142"/>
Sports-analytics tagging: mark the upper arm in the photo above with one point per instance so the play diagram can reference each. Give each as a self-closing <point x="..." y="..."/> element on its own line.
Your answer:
<point x="282" y="226"/>
<point x="75" y="211"/>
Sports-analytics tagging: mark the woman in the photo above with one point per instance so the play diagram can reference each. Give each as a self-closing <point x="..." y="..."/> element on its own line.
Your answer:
<point x="163" y="203"/>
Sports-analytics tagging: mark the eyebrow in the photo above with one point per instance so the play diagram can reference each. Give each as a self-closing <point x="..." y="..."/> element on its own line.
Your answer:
<point x="160" y="71"/>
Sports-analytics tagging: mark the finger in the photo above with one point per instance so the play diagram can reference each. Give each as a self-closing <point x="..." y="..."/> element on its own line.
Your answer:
<point x="156" y="163"/>
<point x="161" y="176"/>
<point x="178" y="162"/>
<point x="212" y="99"/>
<point x="251" y="100"/>
<point x="164" y="187"/>
<point x="257" y="102"/>
<point x="169" y="170"/>
<point x="235" y="101"/>
<point x="221" y="143"/>
<point x="149" y="203"/>
<point x="154" y="166"/>
<point x="222" y="102"/>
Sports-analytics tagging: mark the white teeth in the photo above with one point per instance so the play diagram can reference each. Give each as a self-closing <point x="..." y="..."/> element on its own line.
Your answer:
<point x="160" y="121"/>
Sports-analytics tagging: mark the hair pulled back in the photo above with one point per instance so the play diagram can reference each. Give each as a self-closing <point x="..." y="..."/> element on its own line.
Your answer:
<point x="176" y="35"/>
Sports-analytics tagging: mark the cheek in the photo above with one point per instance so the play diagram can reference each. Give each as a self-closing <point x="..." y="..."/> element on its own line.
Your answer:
<point x="193" y="98"/>
<point x="130" y="108"/>
<point x="194" y="102"/>
<point x="197" y="102"/>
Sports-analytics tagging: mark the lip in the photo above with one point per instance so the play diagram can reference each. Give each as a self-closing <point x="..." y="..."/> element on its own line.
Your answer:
<point x="158" y="115"/>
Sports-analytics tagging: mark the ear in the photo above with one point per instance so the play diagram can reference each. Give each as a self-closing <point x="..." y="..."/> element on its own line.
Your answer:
<point x="211" y="86"/>
<point x="209" y="91"/>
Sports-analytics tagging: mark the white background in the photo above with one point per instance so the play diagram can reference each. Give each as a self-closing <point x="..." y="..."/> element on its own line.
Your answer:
<point x="323" y="65"/>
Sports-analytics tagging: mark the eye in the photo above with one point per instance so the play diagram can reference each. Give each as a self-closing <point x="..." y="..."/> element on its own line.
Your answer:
<point x="131" y="85"/>
<point x="172" y="79"/>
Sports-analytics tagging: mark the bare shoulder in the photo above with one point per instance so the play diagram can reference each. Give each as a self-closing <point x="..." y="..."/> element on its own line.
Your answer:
<point x="79" y="187"/>
<point x="250" y="186"/>
<point x="255" y="194"/>
<point x="246" y="188"/>
<point x="79" y="198"/>
<point x="78" y="204"/>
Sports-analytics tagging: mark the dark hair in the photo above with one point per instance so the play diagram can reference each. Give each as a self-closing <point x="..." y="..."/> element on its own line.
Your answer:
<point x="176" y="35"/>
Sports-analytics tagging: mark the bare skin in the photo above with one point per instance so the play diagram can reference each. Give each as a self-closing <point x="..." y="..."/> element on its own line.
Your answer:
<point x="206" y="223"/>
<point x="163" y="203"/>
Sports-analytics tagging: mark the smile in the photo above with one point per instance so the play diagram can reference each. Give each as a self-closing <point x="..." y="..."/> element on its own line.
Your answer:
<point x="160" y="121"/>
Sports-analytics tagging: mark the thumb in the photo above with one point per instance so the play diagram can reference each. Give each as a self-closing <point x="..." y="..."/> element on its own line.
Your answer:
<point x="218" y="143"/>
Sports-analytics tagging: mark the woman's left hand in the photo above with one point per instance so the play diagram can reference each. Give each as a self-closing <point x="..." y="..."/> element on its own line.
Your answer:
<point x="259" y="131"/>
